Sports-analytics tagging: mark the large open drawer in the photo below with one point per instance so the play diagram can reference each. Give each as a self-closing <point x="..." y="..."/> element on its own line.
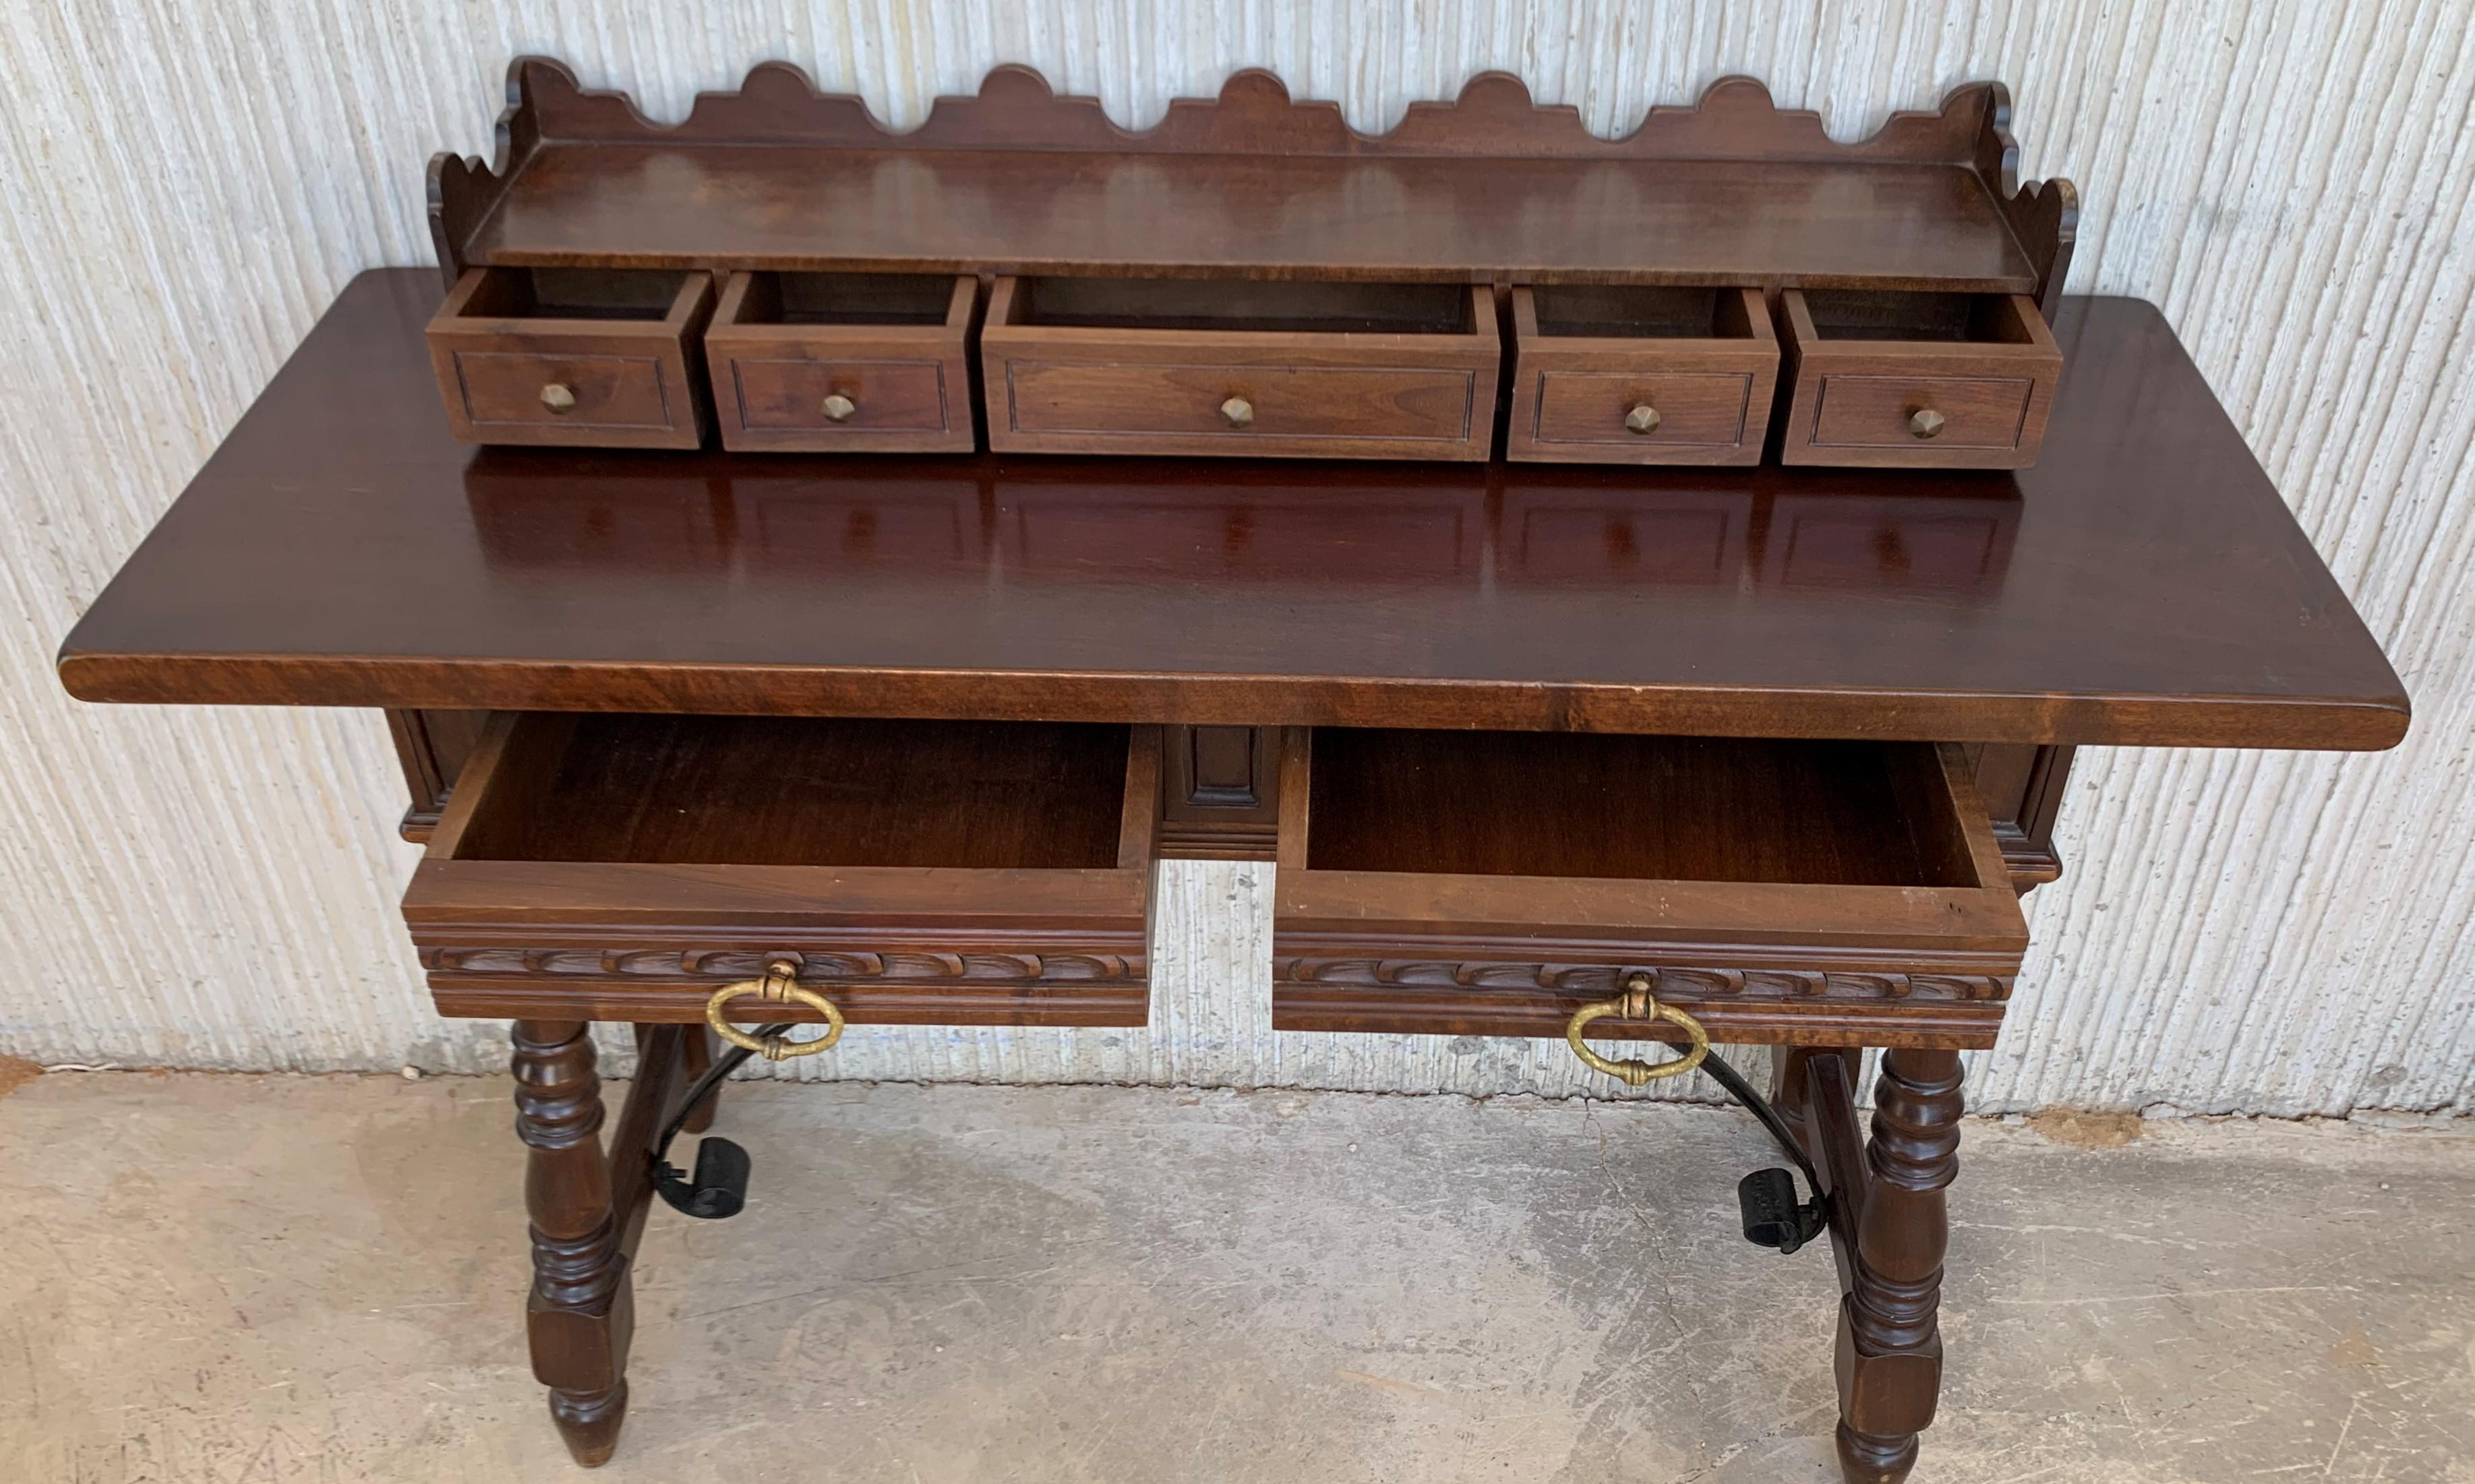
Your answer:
<point x="1490" y="884"/>
<point x="623" y="867"/>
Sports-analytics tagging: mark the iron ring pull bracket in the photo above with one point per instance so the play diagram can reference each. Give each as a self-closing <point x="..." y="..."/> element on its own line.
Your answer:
<point x="1766" y="1198"/>
<point x="720" y="1185"/>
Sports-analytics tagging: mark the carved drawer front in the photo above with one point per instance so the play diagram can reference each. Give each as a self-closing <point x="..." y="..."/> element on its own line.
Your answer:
<point x="860" y="362"/>
<point x="1914" y="380"/>
<point x="624" y="866"/>
<point x="1641" y="375"/>
<point x="1491" y="883"/>
<point x="574" y="358"/>
<point x="1242" y="368"/>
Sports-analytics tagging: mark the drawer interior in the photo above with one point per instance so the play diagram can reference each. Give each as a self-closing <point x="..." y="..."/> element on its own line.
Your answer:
<point x="1951" y="319"/>
<point x="576" y="293"/>
<point x="1296" y="305"/>
<point x="625" y="867"/>
<point x="1472" y="883"/>
<point x="799" y="791"/>
<point x="1632" y="808"/>
<point x="845" y="299"/>
<point x="1640" y="311"/>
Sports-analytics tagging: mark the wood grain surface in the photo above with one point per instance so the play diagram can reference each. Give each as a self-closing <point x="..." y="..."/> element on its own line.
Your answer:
<point x="2145" y="583"/>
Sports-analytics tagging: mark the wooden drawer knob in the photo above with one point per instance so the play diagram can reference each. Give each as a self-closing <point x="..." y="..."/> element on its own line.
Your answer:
<point x="838" y="408"/>
<point x="1643" y="418"/>
<point x="558" y="397"/>
<point x="1239" y="410"/>
<point x="1925" y="423"/>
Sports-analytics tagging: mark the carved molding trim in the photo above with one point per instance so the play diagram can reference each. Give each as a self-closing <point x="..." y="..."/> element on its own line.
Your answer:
<point x="2030" y="862"/>
<point x="721" y="966"/>
<point x="1203" y="840"/>
<point x="1682" y="984"/>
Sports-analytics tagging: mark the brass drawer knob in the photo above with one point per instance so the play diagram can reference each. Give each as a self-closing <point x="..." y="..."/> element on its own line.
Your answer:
<point x="1239" y="410"/>
<point x="1636" y="1002"/>
<point x="779" y="986"/>
<point x="1643" y="418"/>
<point x="838" y="408"/>
<point x="559" y="397"/>
<point x="1925" y="423"/>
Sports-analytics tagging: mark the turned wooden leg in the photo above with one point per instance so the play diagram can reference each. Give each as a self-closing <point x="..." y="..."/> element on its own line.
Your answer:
<point x="1791" y="1082"/>
<point x="580" y="1313"/>
<point x="1889" y="1344"/>
<point x="698" y="1058"/>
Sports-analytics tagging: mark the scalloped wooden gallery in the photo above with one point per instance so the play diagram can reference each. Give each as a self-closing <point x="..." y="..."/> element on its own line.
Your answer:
<point x="1917" y="380"/>
<point x="844" y="362"/>
<point x="574" y="358"/>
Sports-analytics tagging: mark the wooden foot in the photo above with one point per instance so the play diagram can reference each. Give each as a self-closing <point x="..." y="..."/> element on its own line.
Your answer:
<point x="1865" y="1459"/>
<point x="1890" y="1341"/>
<point x="580" y="1313"/>
<point x="588" y="1421"/>
<point x="700" y="1057"/>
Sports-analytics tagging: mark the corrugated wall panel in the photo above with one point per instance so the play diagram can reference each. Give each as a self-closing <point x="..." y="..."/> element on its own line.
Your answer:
<point x="2238" y="931"/>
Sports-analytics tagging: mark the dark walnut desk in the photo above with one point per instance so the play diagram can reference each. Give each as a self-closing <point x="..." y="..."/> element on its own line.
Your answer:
<point x="1783" y="744"/>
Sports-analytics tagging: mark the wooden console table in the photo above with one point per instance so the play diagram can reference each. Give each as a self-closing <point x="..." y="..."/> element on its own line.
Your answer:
<point x="1785" y="739"/>
<point x="1624" y="700"/>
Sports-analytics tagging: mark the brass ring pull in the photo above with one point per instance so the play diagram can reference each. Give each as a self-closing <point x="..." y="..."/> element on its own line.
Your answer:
<point x="1636" y="1004"/>
<point x="779" y="986"/>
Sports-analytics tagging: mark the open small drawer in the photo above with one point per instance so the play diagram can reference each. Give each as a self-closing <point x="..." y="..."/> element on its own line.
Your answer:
<point x="1491" y="883"/>
<point x="857" y="362"/>
<point x="1917" y="380"/>
<point x="1241" y="367"/>
<point x="576" y="357"/>
<point x="624" y="866"/>
<point x="1637" y="374"/>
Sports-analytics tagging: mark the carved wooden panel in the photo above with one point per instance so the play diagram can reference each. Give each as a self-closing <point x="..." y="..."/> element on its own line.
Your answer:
<point x="1221" y="793"/>
<point x="2023" y="787"/>
<point x="430" y="747"/>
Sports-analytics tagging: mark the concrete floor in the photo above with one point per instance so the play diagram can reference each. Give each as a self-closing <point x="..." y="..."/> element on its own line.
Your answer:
<point x="274" y="1278"/>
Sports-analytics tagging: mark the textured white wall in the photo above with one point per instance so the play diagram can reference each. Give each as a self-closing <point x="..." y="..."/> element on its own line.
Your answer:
<point x="187" y="186"/>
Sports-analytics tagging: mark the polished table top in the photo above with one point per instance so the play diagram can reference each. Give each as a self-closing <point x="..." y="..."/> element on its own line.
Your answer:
<point x="2143" y="583"/>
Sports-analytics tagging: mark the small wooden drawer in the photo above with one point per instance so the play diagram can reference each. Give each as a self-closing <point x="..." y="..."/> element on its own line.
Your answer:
<point x="624" y="866"/>
<point x="1917" y="380"/>
<point x="1628" y="374"/>
<point x="857" y="362"/>
<point x="1243" y="368"/>
<point x="574" y="358"/>
<point x="1490" y="884"/>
